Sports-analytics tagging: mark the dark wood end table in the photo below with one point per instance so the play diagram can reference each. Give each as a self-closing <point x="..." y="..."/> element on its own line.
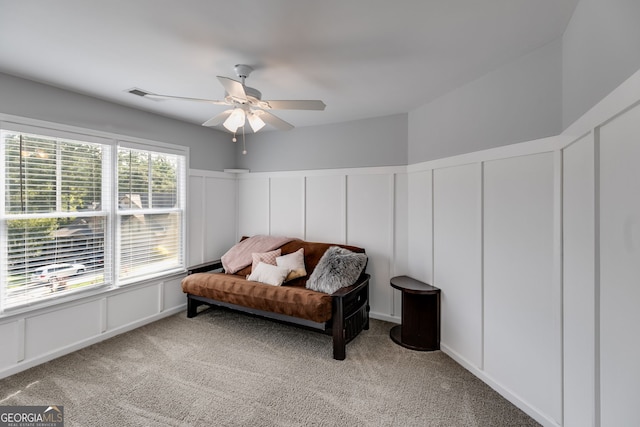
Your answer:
<point x="420" y="328"/>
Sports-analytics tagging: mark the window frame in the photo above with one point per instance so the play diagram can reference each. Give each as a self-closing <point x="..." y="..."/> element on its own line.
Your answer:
<point x="109" y="210"/>
<point x="181" y="200"/>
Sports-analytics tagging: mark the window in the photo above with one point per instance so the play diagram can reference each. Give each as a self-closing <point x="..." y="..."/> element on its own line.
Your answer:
<point x="66" y="225"/>
<point x="149" y="212"/>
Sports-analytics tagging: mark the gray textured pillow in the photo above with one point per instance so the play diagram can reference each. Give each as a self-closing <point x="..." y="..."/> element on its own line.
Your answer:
<point x="338" y="267"/>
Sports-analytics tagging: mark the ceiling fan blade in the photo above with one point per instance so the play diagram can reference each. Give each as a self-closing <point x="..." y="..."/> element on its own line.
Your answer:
<point x="233" y="88"/>
<point x="296" y="105"/>
<point x="215" y="121"/>
<point x="182" y="98"/>
<point x="274" y="121"/>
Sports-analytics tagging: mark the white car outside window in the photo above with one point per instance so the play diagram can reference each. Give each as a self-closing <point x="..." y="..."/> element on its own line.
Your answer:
<point x="56" y="272"/>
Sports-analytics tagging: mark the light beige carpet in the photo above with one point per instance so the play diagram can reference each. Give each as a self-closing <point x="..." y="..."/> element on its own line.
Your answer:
<point x="227" y="369"/>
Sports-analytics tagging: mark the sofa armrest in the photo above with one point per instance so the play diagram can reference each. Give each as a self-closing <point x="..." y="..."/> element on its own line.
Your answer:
<point x="350" y="314"/>
<point x="204" y="267"/>
<point x="363" y="280"/>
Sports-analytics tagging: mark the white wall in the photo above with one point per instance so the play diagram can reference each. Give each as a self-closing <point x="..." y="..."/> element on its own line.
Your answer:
<point x="457" y="241"/>
<point x="212" y="214"/>
<point x="335" y="206"/>
<point x="618" y="346"/>
<point x="495" y="254"/>
<point x="579" y="298"/>
<point x="33" y="337"/>
<point x="535" y="247"/>
<point x="574" y="286"/>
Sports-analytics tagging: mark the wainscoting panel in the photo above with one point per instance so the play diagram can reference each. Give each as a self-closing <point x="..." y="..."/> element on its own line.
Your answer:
<point x="196" y="220"/>
<point x="579" y="321"/>
<point x="420" y="242"/>
<point x="457" y="214"/>
<point x="355" y="207"/>
<point x="522" y="335"/>
<point x="9" y="351"/>
<point x="129" y="307"/>
<point x="57" y="329"/>
<point x="253" y="206"/>
<point x="369" y="214"/>
<point x="400" y="261"/>
<point x="287" y="206"/>
<point x="172" y="295"/>
<point x="211" y="221"/>
<point x="619" y="287"/>
<point x="325" y="208"/>
<point x="219" y="217"/>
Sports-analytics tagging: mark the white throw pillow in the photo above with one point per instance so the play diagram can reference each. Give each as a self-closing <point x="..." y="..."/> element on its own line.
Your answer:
<point x="268" y="274"/>
<point x="294" y="262"/>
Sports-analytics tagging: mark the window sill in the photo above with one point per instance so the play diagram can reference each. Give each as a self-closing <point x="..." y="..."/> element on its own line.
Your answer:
<point x="84" y="296"/>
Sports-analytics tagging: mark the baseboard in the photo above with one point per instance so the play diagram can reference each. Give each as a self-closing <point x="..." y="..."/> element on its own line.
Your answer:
<point x="384" y="317"/>
<point x="30" y="363"/>
<point x="503" y="391"/>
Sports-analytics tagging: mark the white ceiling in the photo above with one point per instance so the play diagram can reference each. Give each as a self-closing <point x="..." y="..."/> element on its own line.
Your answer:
<point x="363" y="58"/>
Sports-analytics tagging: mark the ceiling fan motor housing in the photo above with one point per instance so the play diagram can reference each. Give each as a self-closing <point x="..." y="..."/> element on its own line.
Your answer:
<point x="243" y="70"/>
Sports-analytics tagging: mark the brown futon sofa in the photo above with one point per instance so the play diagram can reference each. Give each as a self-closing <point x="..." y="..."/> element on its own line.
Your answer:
<point x="342" y="314"/>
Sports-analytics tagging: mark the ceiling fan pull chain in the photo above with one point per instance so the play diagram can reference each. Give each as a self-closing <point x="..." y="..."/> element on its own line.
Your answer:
<point x="244" y="147"/>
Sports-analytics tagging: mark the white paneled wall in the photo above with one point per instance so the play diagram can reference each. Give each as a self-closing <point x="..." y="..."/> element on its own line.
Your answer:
<point x="369" y="225"/>
<point x="37" y="336"/>
<point x="536" y="247"/>
<point x="355" y="207"/>
<point x="485" y="228"/>
<point x="326" y="207"/>
<point x="40" y="340"/>
<point x="457" y="219"/>
<point x="420" y="219"/>
<point x="400" y="261"/>
<point x="212" y="214"/>
<point x="253" y="206"/>
<point x="521" y="297"/>
<point x="33" y="337"/>
<point x="579" y="283"/>
<point x="287" y="205"/>
<point x="619" y="281"/>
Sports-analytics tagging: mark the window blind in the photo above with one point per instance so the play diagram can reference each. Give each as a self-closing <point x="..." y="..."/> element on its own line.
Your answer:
<point x="150" y="211"/>
<point x="54" y="218"/>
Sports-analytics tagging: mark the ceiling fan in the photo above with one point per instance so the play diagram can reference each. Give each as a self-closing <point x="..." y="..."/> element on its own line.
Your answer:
<point x="247" y="104"/>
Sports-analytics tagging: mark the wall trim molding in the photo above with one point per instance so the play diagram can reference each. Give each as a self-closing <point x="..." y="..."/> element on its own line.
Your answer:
<point x="622" y="98"/>
<point x="376" y="170"/>
<point x="497" y="386"/>
<point x="30" y="363"/>
<point x="552" y="143"/>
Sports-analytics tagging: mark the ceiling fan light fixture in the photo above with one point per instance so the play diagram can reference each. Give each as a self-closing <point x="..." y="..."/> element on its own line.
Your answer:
<point x="235" y="120"/>
<point x="255" y="122"/>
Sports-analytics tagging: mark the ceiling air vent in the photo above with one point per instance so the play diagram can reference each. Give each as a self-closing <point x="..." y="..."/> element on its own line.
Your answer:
<point x="139" y="92"/>
<point x="143" y="93"/>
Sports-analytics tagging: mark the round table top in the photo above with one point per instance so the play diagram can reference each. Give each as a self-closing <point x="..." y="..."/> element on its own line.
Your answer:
<point x="413" y="286"/>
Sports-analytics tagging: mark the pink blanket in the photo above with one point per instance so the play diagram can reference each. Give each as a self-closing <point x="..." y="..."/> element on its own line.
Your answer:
<point x="239" y="256"/>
